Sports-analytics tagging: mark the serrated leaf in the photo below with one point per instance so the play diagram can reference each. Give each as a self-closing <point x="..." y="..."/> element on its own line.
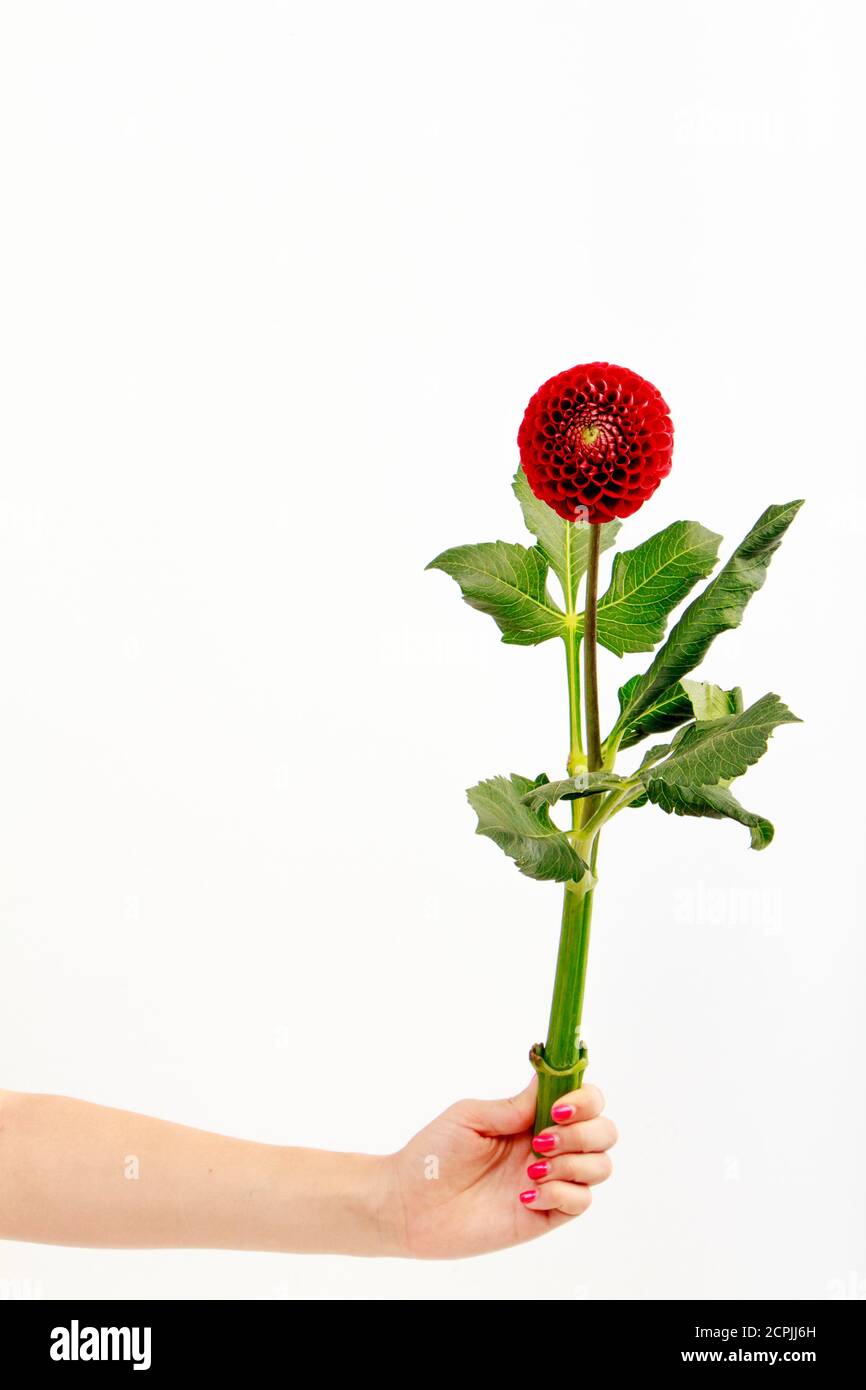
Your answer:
<point x="571" y="788"/>
<point x="717" y="608"/>
<point x="716" y="802"/>
<point x="509" y="582"/>
<point x="681" y="702"/>
<point x="564" y="544"/>
<point x="538" y="847"/>
<point x="648" y="582"/>
<point x="672" y="708"/>
<point x="705" y="754"/>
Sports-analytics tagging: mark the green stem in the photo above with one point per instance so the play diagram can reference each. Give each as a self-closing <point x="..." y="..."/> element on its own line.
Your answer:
<point x="575" y="742"/>
<point x="609" y="807"/>
<point x="566" y="1010"/>
<point x="572" y="663"/>
<point x="562" y="1049"/>
<point x="610" y="747"/>
<point x="590" y="660"/>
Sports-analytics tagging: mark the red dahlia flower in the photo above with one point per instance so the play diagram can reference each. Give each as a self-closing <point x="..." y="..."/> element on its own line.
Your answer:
<point x="598" y="437"/>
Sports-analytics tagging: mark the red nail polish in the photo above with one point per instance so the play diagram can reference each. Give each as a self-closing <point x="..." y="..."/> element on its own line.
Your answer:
<point x="538" y="1170"/>
<point x="562" y="1112"/>
<point x="529" y="1196"/>
<point x="545" y="1143"/>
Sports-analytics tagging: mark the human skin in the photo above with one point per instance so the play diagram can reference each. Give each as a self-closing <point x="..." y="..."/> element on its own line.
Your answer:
<point x="72" y="1173"/>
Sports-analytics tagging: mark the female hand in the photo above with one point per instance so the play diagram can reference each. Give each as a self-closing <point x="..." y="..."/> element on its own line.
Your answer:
<point x="470" y="1182"/>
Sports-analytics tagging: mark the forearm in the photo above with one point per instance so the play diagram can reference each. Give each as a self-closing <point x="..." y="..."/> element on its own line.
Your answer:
<point x="72" y="1173"/>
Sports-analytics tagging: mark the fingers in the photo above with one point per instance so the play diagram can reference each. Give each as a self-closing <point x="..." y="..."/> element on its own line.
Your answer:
<point x="510" y="1116"/>
<point x="584" y="1104"/>
<point x="568" y="1197"/>
<point x="590" y="1169"/>
<point x="578" y="1136"/>
<point x="572" y="1154"/>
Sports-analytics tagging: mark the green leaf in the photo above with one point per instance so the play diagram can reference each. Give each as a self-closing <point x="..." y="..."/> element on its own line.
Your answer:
<point x="704" y="754"/>
<point x="719" y="607"/>
<point x="711" y="701"/>
<point x="510" y="583"/>
<point x="648" y="582"/>
<point x="682" y="701"/>
<point x="571" y="788"/>
<point x="672" y="708"/>
<point x="652" y="755"/>
<point x="538" y="847"/>
<point x="564" y="544"/>
<point x="716" y="802"/>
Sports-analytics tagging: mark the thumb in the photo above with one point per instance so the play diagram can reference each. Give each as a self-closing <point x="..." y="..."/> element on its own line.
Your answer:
<point x="510" y="1116"/>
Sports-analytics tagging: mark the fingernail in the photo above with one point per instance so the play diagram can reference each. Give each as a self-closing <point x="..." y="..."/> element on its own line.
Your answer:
<point x="562" y="1112"/>
<point x="545" y="1143"/>
<point x="538" y="1170"/>
<point x="529" y="1196"/>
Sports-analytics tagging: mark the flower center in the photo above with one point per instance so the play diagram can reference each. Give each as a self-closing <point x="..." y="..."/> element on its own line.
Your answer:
<point x="592" y="443"/>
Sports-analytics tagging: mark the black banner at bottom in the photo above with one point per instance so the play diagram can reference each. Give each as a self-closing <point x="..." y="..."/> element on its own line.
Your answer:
<point x="222" y="1338"/>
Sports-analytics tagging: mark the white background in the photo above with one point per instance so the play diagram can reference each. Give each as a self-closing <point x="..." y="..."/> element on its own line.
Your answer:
<point x="277" y="281"/>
